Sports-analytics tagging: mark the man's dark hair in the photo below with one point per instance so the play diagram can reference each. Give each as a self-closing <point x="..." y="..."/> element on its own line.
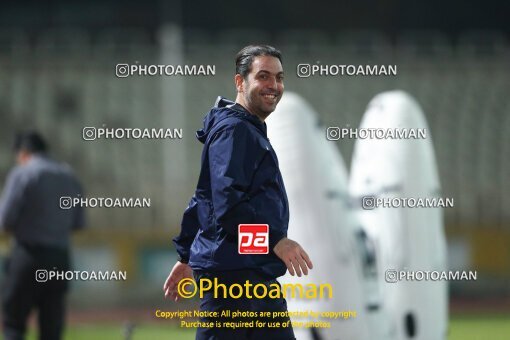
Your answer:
<point x="245" y="57"/>
<point x="30" y="141"/>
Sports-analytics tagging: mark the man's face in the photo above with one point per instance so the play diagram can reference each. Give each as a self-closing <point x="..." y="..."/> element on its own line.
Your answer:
<point x="263" y="87"/>
<point x="22" y="157"/>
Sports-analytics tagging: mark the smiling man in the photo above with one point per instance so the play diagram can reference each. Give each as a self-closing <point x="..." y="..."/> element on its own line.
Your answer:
<point x="240" y="183"/>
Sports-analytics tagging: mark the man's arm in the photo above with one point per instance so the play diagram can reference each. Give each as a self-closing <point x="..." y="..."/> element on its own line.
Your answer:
<point x="12" y="200"/>
<point x="181" y="270"/>
<point x="79" y="217"/>
<point x="189" y="229"/>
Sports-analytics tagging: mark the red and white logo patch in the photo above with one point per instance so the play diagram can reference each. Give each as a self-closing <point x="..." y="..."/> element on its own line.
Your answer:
<point x="253" y="239"/>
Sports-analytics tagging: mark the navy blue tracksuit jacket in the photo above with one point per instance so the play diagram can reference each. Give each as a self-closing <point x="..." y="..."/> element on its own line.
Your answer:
<point x="240" y="182"/>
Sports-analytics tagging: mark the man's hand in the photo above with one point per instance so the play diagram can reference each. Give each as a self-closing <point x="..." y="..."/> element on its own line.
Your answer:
<point x="294" y="256"/>
<point x="179" y="271"/>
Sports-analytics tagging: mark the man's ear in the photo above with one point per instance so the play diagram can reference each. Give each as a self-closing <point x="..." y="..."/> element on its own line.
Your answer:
<point x="239" y="82"/>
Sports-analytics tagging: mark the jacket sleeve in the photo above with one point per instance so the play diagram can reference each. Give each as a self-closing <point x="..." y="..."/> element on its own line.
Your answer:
<point x="234" y="155"/>
<point x="79" y="217"/>
<point x="189" y="229"/>
<point x="12" y="200"/>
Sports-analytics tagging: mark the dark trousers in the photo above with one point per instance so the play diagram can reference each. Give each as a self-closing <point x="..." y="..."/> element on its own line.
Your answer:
<point x="219" y="304"/>
<point x="22" y="291"/>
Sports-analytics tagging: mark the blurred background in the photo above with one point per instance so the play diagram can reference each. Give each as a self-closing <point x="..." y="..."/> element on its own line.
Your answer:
<point x="57" y="75"/>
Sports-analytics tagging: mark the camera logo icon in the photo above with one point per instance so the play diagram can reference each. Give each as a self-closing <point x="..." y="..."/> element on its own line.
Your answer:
<point x="391" y="276"/>
<point x="66" y="202"/>
<point x="122" y="70"/>
<point x="41" y="275"/>
<point x="333" y="133"/>
<point x="304" y="70"/>
<point x="368" y="202"/>
<point x="89" y="133"/>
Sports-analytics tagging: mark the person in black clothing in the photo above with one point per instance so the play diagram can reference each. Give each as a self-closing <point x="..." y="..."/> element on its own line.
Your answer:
<point x="30" y="211"/>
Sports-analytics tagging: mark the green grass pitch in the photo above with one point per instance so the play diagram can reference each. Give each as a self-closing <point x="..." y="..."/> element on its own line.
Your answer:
<point x="481" y="327"/>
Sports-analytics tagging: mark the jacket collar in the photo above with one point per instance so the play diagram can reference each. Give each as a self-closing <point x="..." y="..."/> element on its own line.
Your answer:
<point x="244" y="113"/>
